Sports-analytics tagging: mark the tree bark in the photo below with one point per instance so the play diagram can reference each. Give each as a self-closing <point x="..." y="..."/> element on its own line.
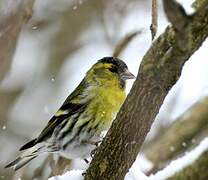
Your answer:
<point x="11" y="21"/>
<point x="186" y="131"/>
<point x="159" y="71"/>
<point x="198" y="3"/>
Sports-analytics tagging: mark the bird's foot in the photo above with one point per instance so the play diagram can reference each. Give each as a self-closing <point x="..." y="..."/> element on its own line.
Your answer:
<point x="91" y="142"/>
<point x="83" y="174"/>
<point x="93" y="152"/>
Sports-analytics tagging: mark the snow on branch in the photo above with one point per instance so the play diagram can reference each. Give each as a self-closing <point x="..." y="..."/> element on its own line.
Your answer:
<point x="179" y="164"/>
<point x="71" y="175"/>
<point x="191" y="128"/>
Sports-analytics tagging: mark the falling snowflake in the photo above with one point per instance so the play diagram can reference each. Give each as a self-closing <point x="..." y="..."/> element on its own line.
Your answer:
<point x="172" y="149"/>
<point x="46" y="110"/>
<point x="74" y="7"/>
<point x="184" y="144"/>
<point x="193" y="141"/>
<point x="34" y="27"/>
<point x="53" y="79"/>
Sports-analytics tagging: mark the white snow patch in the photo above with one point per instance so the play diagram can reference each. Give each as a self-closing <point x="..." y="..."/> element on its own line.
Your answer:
<point x="135" y="172"/>
<point x="71" y="175"/>
<point x="181" y="163"/>
<point x="142" y="163"/>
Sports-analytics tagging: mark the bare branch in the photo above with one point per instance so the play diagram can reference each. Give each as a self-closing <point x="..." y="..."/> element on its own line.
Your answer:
<point x="124" y="42"/>
<point x="11" y="22"/>
<point x="179" y="20"/>
<point x="154" y="24"/>
<point x="188" y="126"/>
<point x="197" y="170"/>
<point x="175" y="14"/>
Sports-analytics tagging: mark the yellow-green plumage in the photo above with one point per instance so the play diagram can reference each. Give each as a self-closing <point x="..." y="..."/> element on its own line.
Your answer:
<point x="87" y="112"/>
<point x="109" y="97"/>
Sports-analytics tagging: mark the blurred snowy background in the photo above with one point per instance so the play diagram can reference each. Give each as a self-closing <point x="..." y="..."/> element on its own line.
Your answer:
<point x="59" y="44"/>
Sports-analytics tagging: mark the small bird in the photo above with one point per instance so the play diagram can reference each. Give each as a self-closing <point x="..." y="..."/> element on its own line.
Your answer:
<point x="76" y="127"/>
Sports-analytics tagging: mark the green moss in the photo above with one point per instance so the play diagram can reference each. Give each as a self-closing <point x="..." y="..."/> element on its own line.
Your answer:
<point x="103" y="166"/>
<point x="198" y="4"/>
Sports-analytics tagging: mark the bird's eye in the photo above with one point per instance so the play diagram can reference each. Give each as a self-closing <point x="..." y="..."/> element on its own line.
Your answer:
<point x="113" y="69"/>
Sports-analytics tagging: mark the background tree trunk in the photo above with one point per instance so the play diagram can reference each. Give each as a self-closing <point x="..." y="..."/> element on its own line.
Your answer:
<point x="159" y="71"/>
<point x="14" y="14"/>
<point x="12" y="20"/>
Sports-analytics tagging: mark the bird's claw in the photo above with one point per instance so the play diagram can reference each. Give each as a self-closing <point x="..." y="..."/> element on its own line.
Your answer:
<point x="93" y="152"/>
<point x="83" y="174"/>
<point x="92" y="142"/>
<point x="86" y="160"/>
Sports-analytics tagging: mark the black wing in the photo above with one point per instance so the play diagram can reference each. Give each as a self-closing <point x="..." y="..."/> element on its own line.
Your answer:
<point x="66" y="110"/>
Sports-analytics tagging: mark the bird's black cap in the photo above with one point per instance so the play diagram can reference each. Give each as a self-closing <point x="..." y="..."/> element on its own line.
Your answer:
<point x="115" y="61"/>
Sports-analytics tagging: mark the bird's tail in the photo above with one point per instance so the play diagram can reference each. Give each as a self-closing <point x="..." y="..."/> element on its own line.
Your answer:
<point x="24" y="158"/>
<point x="20" y="162"/>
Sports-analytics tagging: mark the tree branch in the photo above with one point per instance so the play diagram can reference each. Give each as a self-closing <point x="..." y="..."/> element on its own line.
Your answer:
<point x="197" y="170"/>
<point x="198" y="3"/>
<point x="154" y="24"/>
<point x="124" y="42"/>
<point x="188" y="126"/>
<point x="175" y="14"/>
<point x="159" y="71"/>
<point x="14" y="17"/>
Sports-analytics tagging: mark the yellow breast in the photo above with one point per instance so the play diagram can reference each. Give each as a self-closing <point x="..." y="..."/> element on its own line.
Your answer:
<point x="106" y="105"/>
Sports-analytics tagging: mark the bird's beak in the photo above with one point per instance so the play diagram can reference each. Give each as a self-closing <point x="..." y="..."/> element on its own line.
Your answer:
<point x="127" y="75"/>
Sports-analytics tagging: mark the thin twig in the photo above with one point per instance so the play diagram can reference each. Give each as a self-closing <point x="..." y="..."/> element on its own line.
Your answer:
<point x="121" y="46"/>
<point x="154" y="24"/>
